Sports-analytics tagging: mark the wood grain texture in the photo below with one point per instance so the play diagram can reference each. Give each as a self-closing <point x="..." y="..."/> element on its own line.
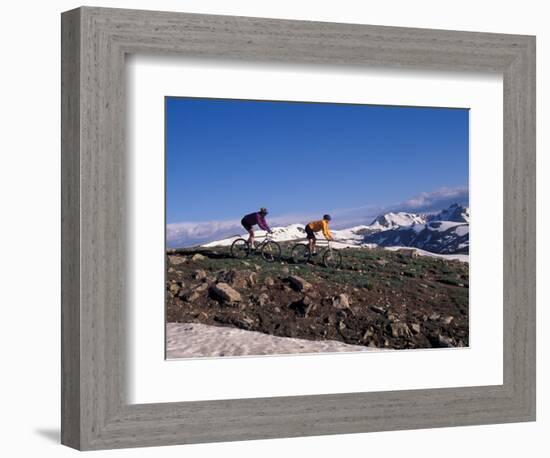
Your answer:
<point x="70" y="229"/>
<point x="95" y="411"/>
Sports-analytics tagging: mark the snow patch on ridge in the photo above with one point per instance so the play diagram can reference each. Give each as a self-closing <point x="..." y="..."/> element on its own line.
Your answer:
<point x="425" y="233"/>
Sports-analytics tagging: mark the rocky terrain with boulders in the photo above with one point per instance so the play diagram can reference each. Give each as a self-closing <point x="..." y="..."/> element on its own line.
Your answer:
<point x="378" y="298"/>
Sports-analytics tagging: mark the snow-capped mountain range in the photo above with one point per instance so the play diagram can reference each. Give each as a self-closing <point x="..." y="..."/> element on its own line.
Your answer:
<point x="395" y="220"/>
<point x="455" y="212"/>
<point x="444" y="232"/>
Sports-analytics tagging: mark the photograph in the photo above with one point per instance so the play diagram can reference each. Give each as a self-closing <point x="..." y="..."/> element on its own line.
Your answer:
<point x="260" y="217"/>
<point x="306" y="227"/>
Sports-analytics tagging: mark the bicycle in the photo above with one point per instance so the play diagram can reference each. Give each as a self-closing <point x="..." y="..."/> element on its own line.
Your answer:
<point x="268" y="249"/>
<point x="331" y="257"/>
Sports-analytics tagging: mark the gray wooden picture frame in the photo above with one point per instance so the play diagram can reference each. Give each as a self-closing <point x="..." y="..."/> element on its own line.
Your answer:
<point x="95" y="412"/>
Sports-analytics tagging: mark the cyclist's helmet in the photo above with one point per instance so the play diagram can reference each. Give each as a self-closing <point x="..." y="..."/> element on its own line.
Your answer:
<point x="263" y="211"/>
<point x="327" y="217"/>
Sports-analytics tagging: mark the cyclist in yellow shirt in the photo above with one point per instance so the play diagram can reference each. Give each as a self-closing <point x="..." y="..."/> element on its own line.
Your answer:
<point x="316" y="226"/>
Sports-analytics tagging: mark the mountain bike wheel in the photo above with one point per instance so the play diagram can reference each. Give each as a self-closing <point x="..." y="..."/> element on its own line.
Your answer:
<point x="271" y="251"/>
<point x="240" y="249"/>
<point x="332" y="258"/>
<point x="300" y="253"/>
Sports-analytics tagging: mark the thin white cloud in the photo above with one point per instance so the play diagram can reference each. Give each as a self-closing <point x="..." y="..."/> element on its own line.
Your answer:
<point x="191" y="233"/>
<point x="428" y="201"/>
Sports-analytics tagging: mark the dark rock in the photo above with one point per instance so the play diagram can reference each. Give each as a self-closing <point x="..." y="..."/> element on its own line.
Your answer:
<point x="238" y="278"/>
<point x="174" y="289"/>
<point x="224" y="292"/>
<point x="200" y="288"/>
<point x="192" y="296"/>
<point x="368" y="333"/>
<point x="263" y="299"/>
<point x="378" y="309"/>
<point x="244" y="323"/>
<point x="199" y="274"/>
<point x="176" y="260"/>
<point x="301" y="307"/>
<point x="447" y="319"/>
<point x="399" y="329"/>
<point x="445" y="341"/>
<point x="341" y="301"/>
<point x="298" y="283"/>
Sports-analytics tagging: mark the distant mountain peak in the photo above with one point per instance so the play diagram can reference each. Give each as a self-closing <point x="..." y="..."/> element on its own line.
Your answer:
<point x="446" y="231"/>
<point x="455" y="212"/>
<point x="393" y="220"/>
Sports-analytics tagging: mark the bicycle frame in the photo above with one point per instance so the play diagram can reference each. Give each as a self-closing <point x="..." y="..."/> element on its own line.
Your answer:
<point x="326" y="247"/>
<point x="264" y="239"/>
<point x="324" y="244"/>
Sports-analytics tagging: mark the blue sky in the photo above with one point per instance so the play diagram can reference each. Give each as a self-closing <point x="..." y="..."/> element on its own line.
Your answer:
<point x="226" y="158"/>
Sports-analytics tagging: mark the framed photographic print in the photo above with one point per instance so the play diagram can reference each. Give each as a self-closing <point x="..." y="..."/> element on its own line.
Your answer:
<point x="326" y="272"/>
<point x="250" y="205"/>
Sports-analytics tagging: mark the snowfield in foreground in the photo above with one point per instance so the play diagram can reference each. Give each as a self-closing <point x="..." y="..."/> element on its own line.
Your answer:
<point x="196" y="340"/>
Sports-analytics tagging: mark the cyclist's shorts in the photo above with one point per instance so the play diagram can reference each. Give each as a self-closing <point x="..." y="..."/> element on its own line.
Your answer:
<point x="309" y="233"/>
<point x="248" y="227"/>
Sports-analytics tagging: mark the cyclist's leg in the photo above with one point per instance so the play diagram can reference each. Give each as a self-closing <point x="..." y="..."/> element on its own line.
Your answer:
<point x="311" y="239"/>
<point x="250" y="234"/>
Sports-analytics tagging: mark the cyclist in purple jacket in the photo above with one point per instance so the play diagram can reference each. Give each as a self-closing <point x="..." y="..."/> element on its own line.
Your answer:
<point x="255" y="218"/>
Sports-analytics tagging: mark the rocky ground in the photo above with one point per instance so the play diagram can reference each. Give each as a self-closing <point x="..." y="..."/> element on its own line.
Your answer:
<point x="378" y="298"/>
